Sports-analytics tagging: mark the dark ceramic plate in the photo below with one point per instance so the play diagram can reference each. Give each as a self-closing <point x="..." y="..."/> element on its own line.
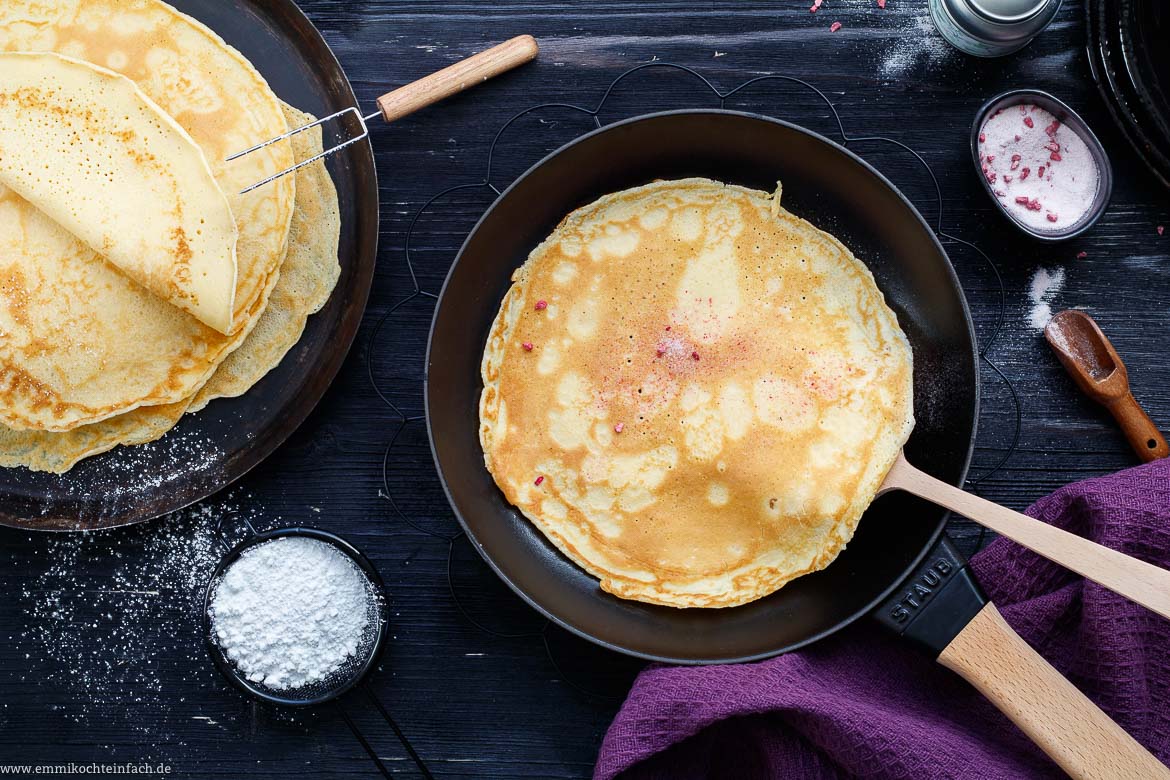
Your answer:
<point x="211" y="449"/>
<point x="823" y="182"/>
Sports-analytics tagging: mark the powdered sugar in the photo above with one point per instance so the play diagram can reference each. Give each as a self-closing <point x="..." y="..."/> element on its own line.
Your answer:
<point x="291" y="612"/>
<point x="146" y="616"/>
<point x="1044" y="287"/>
<point x="916" y="44"/>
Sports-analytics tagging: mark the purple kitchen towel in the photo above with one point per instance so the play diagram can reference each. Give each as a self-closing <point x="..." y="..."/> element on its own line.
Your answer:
<point x="864" y="703"/>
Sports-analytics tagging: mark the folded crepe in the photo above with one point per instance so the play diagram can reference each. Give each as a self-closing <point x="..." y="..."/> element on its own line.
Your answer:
<point x="82" y="342"/>
<point x="89" y="149"/>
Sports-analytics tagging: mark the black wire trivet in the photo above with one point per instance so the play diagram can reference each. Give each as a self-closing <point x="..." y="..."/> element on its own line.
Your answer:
<point x="417" y="292"/>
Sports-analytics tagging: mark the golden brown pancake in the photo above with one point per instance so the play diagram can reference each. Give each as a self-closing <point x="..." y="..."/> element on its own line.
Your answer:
<point x="307" y="277"/>
<point x="693" y="393"/>
<point x="83" y="342"/>
<point x="85" y="146"/>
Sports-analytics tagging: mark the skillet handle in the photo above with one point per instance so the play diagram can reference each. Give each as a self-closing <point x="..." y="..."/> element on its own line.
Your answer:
<point x="1061" y="720"/>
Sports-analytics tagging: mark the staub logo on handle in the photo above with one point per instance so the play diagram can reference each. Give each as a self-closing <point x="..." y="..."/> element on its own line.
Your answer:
<point x="921" y="589"/>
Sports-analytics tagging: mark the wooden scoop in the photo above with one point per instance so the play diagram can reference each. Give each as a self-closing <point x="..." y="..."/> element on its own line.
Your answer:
<point x="1092" y="362"/>
<point x="1138" y="581"/>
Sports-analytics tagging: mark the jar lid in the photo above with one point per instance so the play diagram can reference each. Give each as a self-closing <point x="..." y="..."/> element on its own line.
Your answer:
<point x="1008" y="11"/>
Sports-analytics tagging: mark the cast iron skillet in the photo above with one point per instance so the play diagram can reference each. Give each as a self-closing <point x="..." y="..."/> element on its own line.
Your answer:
<point x="217" y="446"/>
<point x="837" y="191"/>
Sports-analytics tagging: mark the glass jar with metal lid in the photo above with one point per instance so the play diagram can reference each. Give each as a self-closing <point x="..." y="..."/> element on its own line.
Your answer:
<point x="991" y="28"/>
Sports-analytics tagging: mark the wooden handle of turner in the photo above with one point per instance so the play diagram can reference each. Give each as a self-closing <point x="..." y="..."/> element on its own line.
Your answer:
<point x="458" y="77"/>
<point x="1061" y="720"/>
<point x="1141" y="433"/>
<point x="1138" y="581"/>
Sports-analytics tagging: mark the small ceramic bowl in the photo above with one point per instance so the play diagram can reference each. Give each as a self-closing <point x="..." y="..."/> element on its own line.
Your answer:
<point x="1067" y="117"/>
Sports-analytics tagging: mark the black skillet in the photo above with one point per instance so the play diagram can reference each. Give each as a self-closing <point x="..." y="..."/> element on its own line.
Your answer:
<point x="833" y="188"/>
<point x="217" y="446"/>
<point x="900" y="568"/>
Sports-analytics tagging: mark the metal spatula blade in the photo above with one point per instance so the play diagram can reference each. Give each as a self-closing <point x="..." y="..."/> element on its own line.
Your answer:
<point x="410" y="98"/>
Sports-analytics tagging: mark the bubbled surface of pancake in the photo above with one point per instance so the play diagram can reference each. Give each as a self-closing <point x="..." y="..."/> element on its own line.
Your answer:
<point x="87" y="147"/>
<point x="708" y="388"/>
<point x="307" y="277"/>
<point x="84" y="345"/>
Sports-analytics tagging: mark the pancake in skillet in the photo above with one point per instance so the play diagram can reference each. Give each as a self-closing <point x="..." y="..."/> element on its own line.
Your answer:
<point x="693" y="393"/>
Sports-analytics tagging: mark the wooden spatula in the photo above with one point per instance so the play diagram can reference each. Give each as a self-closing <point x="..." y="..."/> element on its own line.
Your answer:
<point x="1092" y="362"/>
<point x="1138" y="581"/>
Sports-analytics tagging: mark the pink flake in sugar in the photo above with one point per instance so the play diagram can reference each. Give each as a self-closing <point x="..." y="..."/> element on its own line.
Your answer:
<point x="1040" y="171"/>
<point x="881" y="4"/>
<point x="1055" y="157"/>
<point x="539" y="480"/>
<point x="541" y="305"/>
<point x="527" y="346"/>
<point x="1161" y="230"/>
<point x="1022" y="200"/>
<point x="1082" y="255"/>
<point x="982" y="139"/>
<point x="619" y="427"/>
<point x="1051" y="217"/>
<point x="1028" y="121"/>
<point x="1024" y="173"/>
<point x="834" y="27"/>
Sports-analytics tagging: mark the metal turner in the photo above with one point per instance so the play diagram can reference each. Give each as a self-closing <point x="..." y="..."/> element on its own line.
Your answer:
<point x="410" y="98"/>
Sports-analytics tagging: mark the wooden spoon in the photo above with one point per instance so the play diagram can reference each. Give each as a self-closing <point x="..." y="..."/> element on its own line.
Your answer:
<point x="1138" y="581"/>
<point x="1093" y="363"/>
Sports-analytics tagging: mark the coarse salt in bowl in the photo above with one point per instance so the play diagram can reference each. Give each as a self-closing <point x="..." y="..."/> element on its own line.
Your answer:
<point x="1041" y="164"/>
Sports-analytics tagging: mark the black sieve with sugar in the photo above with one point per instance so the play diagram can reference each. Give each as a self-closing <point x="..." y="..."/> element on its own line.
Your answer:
<point x="295" y="616"/>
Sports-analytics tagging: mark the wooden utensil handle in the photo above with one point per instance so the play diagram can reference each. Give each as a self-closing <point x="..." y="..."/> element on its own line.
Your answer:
<point x="1145" y="438"/>
<point x="458" y="77"/>
<point x="1139" y="581"/>
<point x="1061" y="720"/>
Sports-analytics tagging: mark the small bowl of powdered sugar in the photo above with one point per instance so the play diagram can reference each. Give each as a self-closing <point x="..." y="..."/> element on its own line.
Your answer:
<point x="295" y="616"/>
<point x="1041" y="164"/>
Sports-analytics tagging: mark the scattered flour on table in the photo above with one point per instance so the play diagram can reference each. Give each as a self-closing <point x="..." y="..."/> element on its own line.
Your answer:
<point x="291" y="612"/>
<point x="104" y="643"/>
<point x="916" y="45"/>
<point x="1043" y="289"/>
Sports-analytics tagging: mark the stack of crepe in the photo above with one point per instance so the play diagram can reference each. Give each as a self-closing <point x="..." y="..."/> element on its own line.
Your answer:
<point x="136" y="284"/>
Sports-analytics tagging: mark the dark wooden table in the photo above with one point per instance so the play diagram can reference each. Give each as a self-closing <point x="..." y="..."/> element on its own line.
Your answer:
<point x="100" y="659"/>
